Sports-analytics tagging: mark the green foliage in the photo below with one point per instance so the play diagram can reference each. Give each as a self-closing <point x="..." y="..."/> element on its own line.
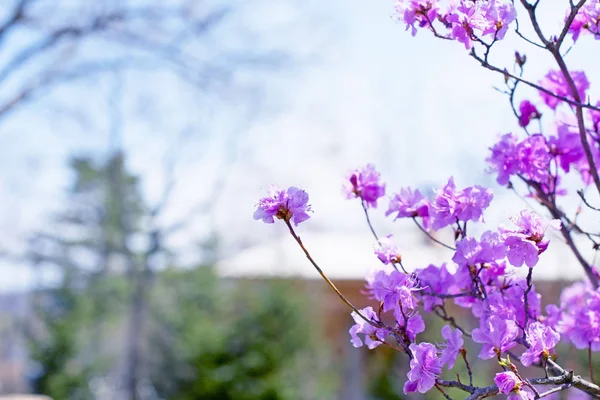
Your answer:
<point x="200" y="337"/>
<point x="62" y="374"/>
<point x="236" y="340"/>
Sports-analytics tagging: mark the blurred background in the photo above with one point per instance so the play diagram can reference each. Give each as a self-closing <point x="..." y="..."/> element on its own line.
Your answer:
<point x="136" y="137"/>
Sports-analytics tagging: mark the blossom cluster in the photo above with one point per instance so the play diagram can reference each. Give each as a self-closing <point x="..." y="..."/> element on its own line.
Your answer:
<point x="448" y="206"/>
<point x="478" y="278"/>
<point x="481" y="275"/>
<point x="587" y="20"/>
<point x="465" y="21"/>
<point x="288" y="205"/>
<point x="540" y="159"/>
<point x="578" y="317"/>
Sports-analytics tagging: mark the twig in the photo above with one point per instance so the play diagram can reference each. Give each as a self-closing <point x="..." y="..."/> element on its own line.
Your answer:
<point x="505" y="73"/>
<point x="581" y="194"/>
<point x="442" y="392"/>
<point x="431" y="237"/>
<point x="590" y="365"/>
<point x="463" y="353"/>
<point x="376" y="324"/>
<point x="364" y="206"/>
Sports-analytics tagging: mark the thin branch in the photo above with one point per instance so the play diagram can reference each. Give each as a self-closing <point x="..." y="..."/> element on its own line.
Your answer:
<point x="329" y="282"/>
<point x="579" y="113"/>
<point x="557" y="213"/>
<point x="446" y="396"/>
<point x="364" y="206"/>
<point x="463" y="353"/>
<point x="16" y="16"/>
<point x="505" y="73"/>
<point x="431" y="237"/>
<point x="574" y="11"/>
<point x="581" y="194"/>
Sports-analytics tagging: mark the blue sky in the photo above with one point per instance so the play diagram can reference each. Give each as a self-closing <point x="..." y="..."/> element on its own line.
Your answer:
<point x="365" y="91"/>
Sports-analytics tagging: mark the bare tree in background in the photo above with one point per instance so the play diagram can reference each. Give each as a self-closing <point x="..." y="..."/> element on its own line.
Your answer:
<point x="47" y="44"/>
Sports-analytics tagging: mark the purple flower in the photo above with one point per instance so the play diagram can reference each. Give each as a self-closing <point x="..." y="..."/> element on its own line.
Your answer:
<point x="577" y="25"/>
<point x="506" y="300"/>
<point x="467" y="252"/>
<point x="373" y="336"/>
<point x="553" y="316"/>
<point x="435" y="280"/>
<point x="528" y="112"/>
<point x="515" y="299"/>
<point x="533" y="226"/>
<point x="364" y="183"/>
<point x="409" y="203"/>
<point x="394" y="290"/>
<point x="555" y="82"/>
<point x="526" y="243"/>
<point x="534" y="158"/>
<point x="575" y="295"/>
<point x="472" y="201"/>
<point x="471" y="252"/>
<point x="492" y="272"/>
<point x="492" y="247"/>
<point x="290" y="204"/>
<point x="567" y="148"/>
<point x="412" y="324"/>
<point x="521" y="251"/>
<point x="500" y="15"/>
<point x="497" y="335"/>
<point x="420" y="12"/>
<point x="425" y="367"/>
<point x="507" y="382"/>
<point x="445" y="205"/>
<point x="504" y="159"/>
<point x="451" y="204"/>
<point x="386" y="251"/>
<point x="541" y="340"/>
<point x="451" y="347"/>
<point x="470" y="19"/>
<point x="587" y="20"/>
<point x="465" y="19"/>
<point x="585" y="330"/>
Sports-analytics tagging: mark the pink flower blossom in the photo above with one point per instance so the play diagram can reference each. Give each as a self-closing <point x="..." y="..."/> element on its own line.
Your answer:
<point x="386" y="251"/>
<point x="373" y="336"/>
<point x="567" y="148"/>
<point x="526" y="243"/>
<point x="290" y="204"/>
<point x="451" y="205"/>
<point x="556" y="82"/>
<point x="364" y="183"/>
<point x="504" y="158"/>
<point x="394" y="290"/>
<point x="434" y="280"/>
<point x="419" y="12"/>
<point x="528" y="112"/>
<point x="508" y="383"/>
<point x="497" y="335"/>
<point x="425" y="367"/>
<point x="409" y="203"/>
<point x="451" y="347"/>
<point x="541" y="340"/>
<point x="587" y="20"/>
